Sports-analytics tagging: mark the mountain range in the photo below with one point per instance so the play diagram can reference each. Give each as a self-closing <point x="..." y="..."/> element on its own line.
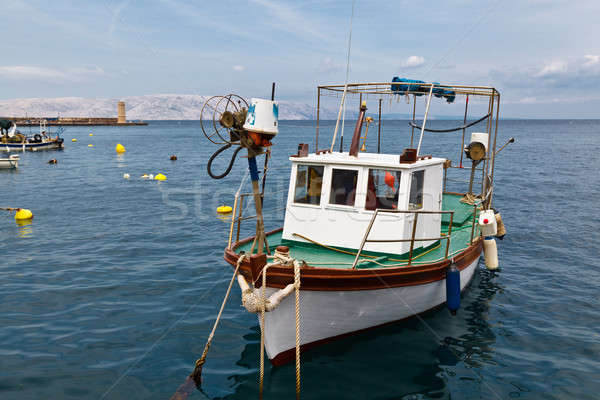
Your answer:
<point x="149" y="107"/>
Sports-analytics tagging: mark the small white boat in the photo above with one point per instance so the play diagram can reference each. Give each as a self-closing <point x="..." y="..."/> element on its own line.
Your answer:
<point x="11" y="162"/>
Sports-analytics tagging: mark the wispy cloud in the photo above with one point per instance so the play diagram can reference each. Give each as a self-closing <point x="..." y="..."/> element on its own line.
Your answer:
<point x="328" y="66"/>
<point x="552" y="68"/>
<point x="23" y="72"/>
<point x="290" y="19"/>
<point x="579" y="72"/>
<point x="239" y="68"/>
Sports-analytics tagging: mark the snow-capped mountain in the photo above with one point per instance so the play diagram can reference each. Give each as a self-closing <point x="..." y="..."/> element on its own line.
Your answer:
<point x="150" y="107"/>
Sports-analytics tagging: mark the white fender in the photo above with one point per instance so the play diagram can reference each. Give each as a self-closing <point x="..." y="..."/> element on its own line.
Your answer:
<point x="490" y="252"/>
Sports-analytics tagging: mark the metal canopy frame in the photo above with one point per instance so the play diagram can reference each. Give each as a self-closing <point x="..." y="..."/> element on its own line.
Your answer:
<point x="383" y="90"/>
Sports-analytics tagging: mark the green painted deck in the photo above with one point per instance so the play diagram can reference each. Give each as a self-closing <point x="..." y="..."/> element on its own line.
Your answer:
<point x="336" y="257"/>
<point x="463" y="213"/>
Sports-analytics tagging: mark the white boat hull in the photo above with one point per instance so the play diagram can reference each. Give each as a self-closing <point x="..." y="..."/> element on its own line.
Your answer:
<point x="9" y="163"/>
<point x="31" y="146"/>
<point x="327" y="314"/>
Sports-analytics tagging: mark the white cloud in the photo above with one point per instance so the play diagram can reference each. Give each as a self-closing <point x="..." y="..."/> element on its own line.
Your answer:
<point x="238" y="68"/>
<point x="579" y="72"/>
<point x="552" y="68"/>
<point x="413" y="62"/>
<point x="24" y="72"/>
<point x="328" y="66"/>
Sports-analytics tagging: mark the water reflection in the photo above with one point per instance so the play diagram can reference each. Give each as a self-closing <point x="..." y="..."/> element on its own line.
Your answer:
<point x="417" y="358"/>
<point x="25" y="228"/>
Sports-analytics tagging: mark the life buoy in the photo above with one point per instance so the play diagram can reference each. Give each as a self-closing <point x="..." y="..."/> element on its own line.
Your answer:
<point x="37" y="138"/>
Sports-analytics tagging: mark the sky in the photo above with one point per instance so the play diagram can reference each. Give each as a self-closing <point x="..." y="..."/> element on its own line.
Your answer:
<point x="542" y="55"/>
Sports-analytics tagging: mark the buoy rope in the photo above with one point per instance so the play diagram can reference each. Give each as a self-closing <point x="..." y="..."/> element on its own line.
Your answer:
<point x="197" y="374"/>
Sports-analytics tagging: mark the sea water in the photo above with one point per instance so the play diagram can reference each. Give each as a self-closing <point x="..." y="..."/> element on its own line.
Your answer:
<point x="111" y="291"/>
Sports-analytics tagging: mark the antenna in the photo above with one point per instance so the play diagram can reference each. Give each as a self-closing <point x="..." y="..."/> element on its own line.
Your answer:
<point x="343" y="103"/>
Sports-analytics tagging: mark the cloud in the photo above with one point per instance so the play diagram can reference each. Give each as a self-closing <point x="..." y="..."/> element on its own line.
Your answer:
<point x="23" y="72"/>
<point x="581" y="73"/>
<point x="413" y="62"/>
<point x="553" y="68"/>
<point x="328" y="66"/>
<point x="239" y="68"/>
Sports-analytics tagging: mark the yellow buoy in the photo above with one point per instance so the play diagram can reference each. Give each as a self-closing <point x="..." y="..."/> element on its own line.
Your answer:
<point x="91" y="134"/>
<point x="119" y="148"/>
<point x="160" y="177"/>
<point x="224" y="209"/>
<point x="23" y="213"/>
<point x="90" y="145"/>
<point x="73" y="140"/>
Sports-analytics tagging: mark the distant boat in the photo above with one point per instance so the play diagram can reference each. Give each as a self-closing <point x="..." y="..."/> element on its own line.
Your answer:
<point x="12" y="162"/>
<point x="13" y="140"/>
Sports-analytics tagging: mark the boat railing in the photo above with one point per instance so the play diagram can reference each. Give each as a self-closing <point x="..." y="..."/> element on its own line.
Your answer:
<point x="412" y="239"/>
<point x="237" y="217"/>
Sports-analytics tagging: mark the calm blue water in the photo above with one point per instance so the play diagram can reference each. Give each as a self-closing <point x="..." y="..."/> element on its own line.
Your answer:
<point x="112" y="290"/>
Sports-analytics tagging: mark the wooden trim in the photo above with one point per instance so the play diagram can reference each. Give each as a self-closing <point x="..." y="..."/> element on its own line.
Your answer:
<point x="332" y="279"/>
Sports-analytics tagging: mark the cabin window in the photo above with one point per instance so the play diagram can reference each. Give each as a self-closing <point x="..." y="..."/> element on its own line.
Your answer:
<point x="415" y="200"/>
<point x="343" y="186"/>
<point x="309" y="180"/>
<point x="382" y="189"/>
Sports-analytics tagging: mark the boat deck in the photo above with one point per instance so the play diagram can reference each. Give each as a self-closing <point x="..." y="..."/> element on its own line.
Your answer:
<point x="322" y="256"/>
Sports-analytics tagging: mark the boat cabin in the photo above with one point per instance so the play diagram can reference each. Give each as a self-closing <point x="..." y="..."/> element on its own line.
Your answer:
<point x="332" y="197"/>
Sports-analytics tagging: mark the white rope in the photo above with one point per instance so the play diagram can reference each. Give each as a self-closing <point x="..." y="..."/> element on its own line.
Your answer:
<point x="297" y="314"/>
<point x="255" y="302"/>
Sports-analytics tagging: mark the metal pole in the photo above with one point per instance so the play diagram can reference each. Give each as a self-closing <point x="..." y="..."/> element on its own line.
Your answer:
<point x="379" y="130"/>
<point x="265" y="168"/>
<point x="364" y="240"/>
<point x="425" y="119"/>
<point x="412" y="131"/>
<point x="318" y="110"/>
<point x="494" y="149"/>
<point x="449" y="234"/>
<point x="239" y="219"/>
<point x="474" y="221"/>
<point x="412" y="239"/>
<point x="260" y="229"/>
<point x="486" y="165"/>
<point x="338" y="118"/>
<point x="235" y="202"/>
<point x="462" y="147"/>
<point x="345" y="85"/>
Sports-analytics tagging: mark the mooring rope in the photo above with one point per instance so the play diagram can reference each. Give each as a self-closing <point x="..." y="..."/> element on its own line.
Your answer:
<point x="261" y="374"/>
<point x="284" y="260"/>
<point x="297" y="310"/>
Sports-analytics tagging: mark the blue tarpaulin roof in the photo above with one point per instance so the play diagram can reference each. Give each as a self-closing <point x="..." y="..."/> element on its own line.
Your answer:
<point x="420" y="88"/>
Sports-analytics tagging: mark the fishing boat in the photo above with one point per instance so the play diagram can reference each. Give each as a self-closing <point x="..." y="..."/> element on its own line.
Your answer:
<point x="10" y="162"/>
<point x="369" y="238"/>
<point x="13" y="140"/>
